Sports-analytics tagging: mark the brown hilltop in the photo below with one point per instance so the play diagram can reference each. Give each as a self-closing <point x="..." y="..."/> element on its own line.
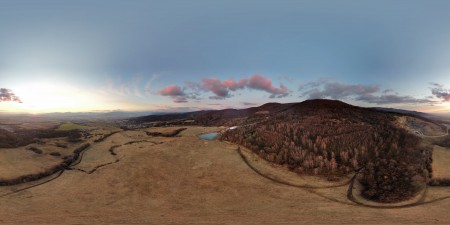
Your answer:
<point x="321" y="103"/>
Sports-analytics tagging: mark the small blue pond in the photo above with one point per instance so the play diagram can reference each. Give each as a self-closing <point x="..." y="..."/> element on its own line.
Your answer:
<point x="209" y="136"/>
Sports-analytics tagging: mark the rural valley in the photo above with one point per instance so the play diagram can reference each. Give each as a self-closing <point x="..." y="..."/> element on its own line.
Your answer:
<point x="352" y="164"/>
<point x="201" y="112"/>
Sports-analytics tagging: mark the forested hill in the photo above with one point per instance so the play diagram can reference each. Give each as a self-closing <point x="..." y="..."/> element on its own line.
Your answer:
<point x="332" y="139"/>
<point x="328" y="138"/>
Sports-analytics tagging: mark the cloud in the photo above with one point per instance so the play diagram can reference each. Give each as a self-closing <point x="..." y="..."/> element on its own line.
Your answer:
<point x="193" y="86"/>
<point x="440" y="92"/>
<point x="259" y="82"/>
<point x="7" y="95"/>
<point x="175" y="92"/>
<point x="138" y="85"/>
<point x="217" y="97"/>
<point x="248" y="103"/>
<point x="393" y="99"/>
<point x="179" y="99"/>
<point x="215" y="86"/>
<point x="335" y="90"/>
<point x="147" y="87"/>
<point x="358" y="92"/>
<point x="172" y="90"/>
<point x="386" y="91"/>
<point x="223" y="89"/>
<point x="235" y="85"/>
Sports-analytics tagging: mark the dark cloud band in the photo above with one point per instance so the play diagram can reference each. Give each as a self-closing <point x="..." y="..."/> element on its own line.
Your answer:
<point x="358" y="92"/>
<point x="7" y="95"/>
<point x="440" y="92"/>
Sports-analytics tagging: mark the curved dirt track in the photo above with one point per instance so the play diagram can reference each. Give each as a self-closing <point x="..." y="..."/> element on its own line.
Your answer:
<point x="350" y="196"/>
<point x="42" y="181"/>
<point x="186" y="180"/>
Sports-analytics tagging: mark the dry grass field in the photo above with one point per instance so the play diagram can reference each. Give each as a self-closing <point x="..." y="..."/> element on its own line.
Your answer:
<point x="18" y="162"/>
<point x="441" y="162"/>
<point x="132" y="178"/>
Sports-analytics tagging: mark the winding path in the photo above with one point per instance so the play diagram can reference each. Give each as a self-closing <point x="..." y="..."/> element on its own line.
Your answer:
<point x="350" y="195"/>
<point x="78" y="159"/>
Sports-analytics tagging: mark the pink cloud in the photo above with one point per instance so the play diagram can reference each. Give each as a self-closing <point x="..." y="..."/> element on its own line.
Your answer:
<point x="172" y="90"/>
<point x="259" y="82"/>
<point x="233" y="85"/>
<point x="222" y="89"/>
<point x="216" y="86"/>
<point x="175" y="92"/>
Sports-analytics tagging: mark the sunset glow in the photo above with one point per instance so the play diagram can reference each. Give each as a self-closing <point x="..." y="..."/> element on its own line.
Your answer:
<point x="224" y="112"/>
<point x="75" y="56"/>
<point x="48" y="97"/>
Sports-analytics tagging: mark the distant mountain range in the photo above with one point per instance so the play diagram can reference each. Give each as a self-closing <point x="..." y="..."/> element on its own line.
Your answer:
<point x="402" y="111"/>
<point x="111" y="115"/>
<point x="226" y="116"/>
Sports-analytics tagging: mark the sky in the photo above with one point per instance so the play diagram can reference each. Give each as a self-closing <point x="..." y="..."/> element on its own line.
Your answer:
<point x="75" y="56"/>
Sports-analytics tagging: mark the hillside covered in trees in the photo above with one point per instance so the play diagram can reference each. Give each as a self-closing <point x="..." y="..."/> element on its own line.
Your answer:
<point x="331" y="138"/>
